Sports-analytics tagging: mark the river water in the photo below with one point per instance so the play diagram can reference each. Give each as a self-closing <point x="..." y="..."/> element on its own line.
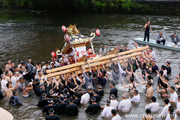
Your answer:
<point x="35" y="34"/>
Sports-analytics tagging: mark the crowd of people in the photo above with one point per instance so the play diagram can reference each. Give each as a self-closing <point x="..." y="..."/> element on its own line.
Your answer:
<point x="63" y="94"/>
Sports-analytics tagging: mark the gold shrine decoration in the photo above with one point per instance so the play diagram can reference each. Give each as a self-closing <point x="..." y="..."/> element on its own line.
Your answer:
<point x="96" y="60"/>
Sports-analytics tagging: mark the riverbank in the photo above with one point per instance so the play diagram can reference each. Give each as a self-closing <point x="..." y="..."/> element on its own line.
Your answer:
<point x="156" y="7"/>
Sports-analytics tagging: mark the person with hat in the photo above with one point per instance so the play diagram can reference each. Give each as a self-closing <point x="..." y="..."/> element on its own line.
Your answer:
<point x="71" y="108"/>
<point x="51" y="115"/>
<point x="115" y="115"/>
<point x="125" y="104"/>
<point x="85" y="98"/>
<point x="114" y="102"/>
<point x="61" y="106"/>
<point x="106" y="113"/>
<point x="93" y="108"/>
<point x="168" y="67"/>
<point x="47" y="107"/>
<point x="175" y="39"/>
<point x="44" y="101"/>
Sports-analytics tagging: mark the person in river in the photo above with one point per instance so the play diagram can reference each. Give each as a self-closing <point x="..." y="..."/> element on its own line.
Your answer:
<point x="171" y="115"/>
<point x="135" y="98"/>
<point x="71" y="108"/>
<point x="26" y="90"/>
<point x="132" y="86"/>
<point x="147" y="28"/>
<point x="164" y="112"/>
<point x="115" y="115"/>
<point x="106" y="113"/>
<point x="51" y="115"/>
<point x="173" y="96"/>
<point x="149" y="91"/>
<point x="114" y="102"/>
<point x="49" y="106"/>
<point x="94" y="107"/>
<point x="125" y="104"/>
<point x="160" y="38"/>
<point x="175" y="39"/>
<point x="153" y="106"/>
<point x="14" y="99"/>
<point x="113" y="90"/>
<point x="148" y="115"/>
<point x="168" y="67"/>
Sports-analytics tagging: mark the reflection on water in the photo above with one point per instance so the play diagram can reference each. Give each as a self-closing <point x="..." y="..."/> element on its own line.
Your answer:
<point x="35" y="34"/>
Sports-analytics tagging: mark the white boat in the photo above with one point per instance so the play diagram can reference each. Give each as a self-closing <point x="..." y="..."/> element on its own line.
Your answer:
<point x="168" y="45"/>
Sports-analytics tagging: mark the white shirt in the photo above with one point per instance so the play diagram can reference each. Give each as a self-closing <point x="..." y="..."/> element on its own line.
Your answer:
<point x="153" y="54"/>
<point x="135" y="99"/>
<point x="114" y="104"/>
<point x="85" y="98"/>
<point x="117" y="117"/>
<point x="154" y="107"/>
<point x="44" y="68"/>
<point x="124" y="105"/>
<point x="178" y="107"/>
<point x="13" y="81"/>
<point x="174" y="97"/>
<point x="3" y="84"/>
<point x="107" y="111"/>
<point x="165" y="112"/>
<point x="168" y="117"/>
<point x="109" y="75"/>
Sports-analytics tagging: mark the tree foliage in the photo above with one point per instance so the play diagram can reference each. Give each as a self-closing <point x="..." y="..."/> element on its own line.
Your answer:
<point x="77" y="5"/>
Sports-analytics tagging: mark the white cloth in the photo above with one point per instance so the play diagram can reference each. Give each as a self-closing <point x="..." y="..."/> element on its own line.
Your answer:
<point x="85" y="98"/>
<point x="114" y="104"/>
<point x="164" y="112"/>
<point x="44" y="68"/>
<point x="174" y="97"/>
<point x="109" y="75"/>
<point x="153" y="54"/>
<point x="168" y="117"/>
<point x="107" y="112"/>
<point x="13" y="81"/>
<point x="124" y="105"/>
<point x="117" y="117"/>
<point x="178" y="107"/>
<point x="154" y="107"/>
<point x="3" y="84"/>
<point x="135" y="99"/>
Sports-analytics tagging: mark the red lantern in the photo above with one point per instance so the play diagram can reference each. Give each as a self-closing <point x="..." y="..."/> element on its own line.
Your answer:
<point x="66" y="37"/>
<point x="63" y="28"/>
<point x="97" y="31"/>
<point x="53" y="54"/>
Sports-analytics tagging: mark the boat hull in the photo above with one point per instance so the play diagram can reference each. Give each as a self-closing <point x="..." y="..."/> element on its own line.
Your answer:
<point x="153" y="43"/>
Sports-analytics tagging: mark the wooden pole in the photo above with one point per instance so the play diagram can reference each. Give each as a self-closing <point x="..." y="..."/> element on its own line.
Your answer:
<point x="78" y="69"/>
<point x="96" y="60"/>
